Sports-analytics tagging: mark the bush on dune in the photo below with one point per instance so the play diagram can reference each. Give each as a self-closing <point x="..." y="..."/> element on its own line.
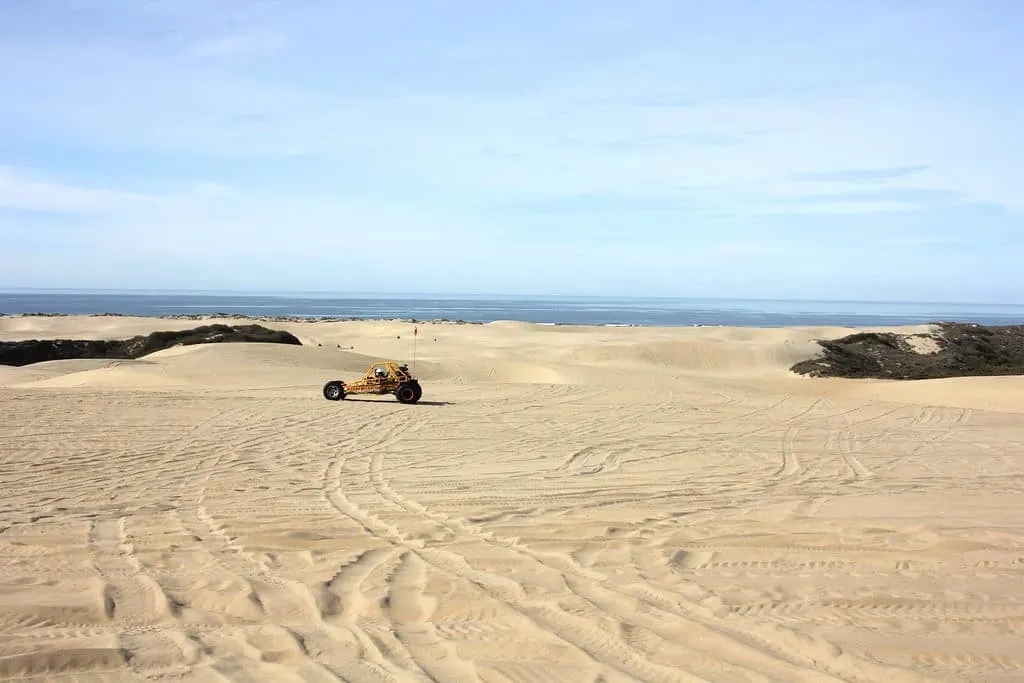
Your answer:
<point x="963" y="350"/>
<point x="40" y="350"/>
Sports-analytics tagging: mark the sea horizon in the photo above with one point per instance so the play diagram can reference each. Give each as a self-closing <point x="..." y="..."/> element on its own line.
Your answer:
<point x="641" y="311"/>
<point x="362" y="294"/>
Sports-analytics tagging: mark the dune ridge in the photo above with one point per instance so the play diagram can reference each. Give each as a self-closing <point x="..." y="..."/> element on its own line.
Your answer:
<point x="568" y="503"/>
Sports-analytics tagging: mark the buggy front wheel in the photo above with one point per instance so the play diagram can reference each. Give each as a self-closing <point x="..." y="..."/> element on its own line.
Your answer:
<point x="408" y="392"/>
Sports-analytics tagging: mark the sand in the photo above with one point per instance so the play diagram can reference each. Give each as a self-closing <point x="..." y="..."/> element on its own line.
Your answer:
<point x="566" y="504"/>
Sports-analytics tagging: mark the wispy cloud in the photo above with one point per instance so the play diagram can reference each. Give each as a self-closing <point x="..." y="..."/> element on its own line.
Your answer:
<point x="29" y="192"/>
<point x="243" y="45"/>
<point x="870" y="175"/>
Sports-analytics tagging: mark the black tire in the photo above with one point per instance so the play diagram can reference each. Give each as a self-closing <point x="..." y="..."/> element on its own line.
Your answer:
<point x="334" y="391"/>
<point x="408" y="392"/>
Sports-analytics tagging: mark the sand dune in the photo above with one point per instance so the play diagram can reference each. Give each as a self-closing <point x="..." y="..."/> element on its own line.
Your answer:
<point x="567" y="504"/>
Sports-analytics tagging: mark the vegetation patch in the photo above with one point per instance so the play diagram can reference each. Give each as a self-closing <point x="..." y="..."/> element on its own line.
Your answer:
<point x="954" y="350"/>
<point x="40" y="350"/>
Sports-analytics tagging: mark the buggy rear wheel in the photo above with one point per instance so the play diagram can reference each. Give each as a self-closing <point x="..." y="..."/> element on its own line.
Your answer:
<point x="334" y="391"/>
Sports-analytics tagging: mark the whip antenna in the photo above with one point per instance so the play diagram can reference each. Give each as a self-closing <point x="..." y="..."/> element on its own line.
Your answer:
<point x="415" y="334"/>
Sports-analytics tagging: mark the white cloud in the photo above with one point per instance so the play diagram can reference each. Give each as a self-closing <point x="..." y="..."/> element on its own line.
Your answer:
<point x="29" y="192"/>
<point x="602" y="132"/>
<point x="240" y="45"/>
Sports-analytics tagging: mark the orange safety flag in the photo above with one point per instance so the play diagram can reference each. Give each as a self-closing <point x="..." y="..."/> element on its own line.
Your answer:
<point x="415" y="331"/>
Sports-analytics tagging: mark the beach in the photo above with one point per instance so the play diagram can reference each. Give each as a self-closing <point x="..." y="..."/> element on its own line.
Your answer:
<point x="566" y="503"/>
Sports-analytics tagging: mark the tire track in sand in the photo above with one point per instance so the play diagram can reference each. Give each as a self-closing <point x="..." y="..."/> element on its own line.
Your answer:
<point x="146" y="617"/>
<point x="287" y="602"/>
<point x="589" y="641"/>
<point x="611" y="651"/>
<point x="777" y="645"/>
<point x="410" y="610"/>
<point x="130" y="596"/>
<point x="137" y="606"/>
<point x="342" y="600"/>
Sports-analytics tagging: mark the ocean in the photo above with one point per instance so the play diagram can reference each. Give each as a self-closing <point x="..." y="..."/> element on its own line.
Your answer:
<point x="635" y="311"/>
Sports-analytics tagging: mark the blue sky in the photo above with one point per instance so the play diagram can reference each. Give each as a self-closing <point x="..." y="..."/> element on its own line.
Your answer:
<point x="869" y="150"/>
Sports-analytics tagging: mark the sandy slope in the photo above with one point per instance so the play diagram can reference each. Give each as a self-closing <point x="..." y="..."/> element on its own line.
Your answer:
<point x="567" y="504"/>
